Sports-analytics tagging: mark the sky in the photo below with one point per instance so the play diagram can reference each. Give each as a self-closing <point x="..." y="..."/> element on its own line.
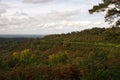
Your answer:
<point x="48" y="16"/>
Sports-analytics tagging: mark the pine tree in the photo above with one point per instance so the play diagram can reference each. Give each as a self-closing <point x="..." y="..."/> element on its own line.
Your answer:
<point x="112" y="8"/>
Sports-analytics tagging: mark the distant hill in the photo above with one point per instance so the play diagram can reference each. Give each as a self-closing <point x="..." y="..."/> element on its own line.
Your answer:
<point x="21" y="36"/>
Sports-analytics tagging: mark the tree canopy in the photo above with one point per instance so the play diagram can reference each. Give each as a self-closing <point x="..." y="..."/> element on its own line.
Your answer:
<point x="112" y="8"/>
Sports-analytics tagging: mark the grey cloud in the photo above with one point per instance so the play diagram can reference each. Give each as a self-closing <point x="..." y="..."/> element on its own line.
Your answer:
<point x="37" y="1"/>
<point x="33" y="24"/>
<point x="15" y="21"/>
<point x="2" y="11"/>
<point x="3" y="8"/>
<point x="3" y="22"/>
<point x="62" y="15"/>
<point x="65" y="14"/>
<point x="66" y="25"/>
<point x="53" y="20"/>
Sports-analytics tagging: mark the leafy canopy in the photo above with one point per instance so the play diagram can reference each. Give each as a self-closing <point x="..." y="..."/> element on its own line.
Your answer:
<point x="112" y="8"/>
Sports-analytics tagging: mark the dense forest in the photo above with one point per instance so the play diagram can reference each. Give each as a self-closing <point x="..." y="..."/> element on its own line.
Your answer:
<point x="91" y="54"/>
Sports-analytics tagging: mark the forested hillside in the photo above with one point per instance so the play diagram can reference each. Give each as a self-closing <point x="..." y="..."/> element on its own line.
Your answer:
<point x="92" y="54"/>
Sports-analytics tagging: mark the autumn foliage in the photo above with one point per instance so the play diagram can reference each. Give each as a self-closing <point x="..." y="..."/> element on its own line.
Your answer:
<point x="92" y="54"/>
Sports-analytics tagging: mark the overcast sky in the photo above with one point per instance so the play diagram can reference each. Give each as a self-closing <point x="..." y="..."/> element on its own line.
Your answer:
<point x="47" y="16"/>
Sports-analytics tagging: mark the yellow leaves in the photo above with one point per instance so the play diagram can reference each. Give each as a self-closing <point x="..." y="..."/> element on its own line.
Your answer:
<point x="23" y="56"/>
<point x="51" y="57"/>
<point x="78" y="60"/>
<point x="15" y="54"/>
<point x="26" y="51"/>
<point x="57" y="58"/>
